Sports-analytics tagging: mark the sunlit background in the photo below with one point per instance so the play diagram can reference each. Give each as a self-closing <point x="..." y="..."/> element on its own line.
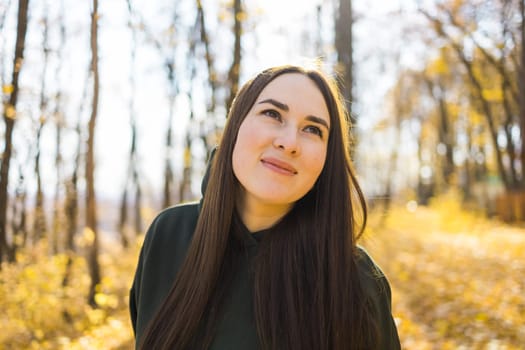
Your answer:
<point x="299" y="32"/>
<point x="438" y="100"/>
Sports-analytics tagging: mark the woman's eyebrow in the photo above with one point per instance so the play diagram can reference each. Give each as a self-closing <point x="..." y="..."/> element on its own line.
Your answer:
<point x="277" y="104"/>
<point x="285" y="107"/>
<point x="318" y="120"/>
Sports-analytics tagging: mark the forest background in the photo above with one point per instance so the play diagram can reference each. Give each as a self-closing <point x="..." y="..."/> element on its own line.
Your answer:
<point x="109" y="112"/>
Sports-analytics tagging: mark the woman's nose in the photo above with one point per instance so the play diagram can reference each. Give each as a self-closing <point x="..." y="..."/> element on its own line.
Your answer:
<point x="287" y="140"/>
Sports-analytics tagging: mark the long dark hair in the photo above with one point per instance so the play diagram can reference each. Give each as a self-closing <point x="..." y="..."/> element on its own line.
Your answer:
<point x="307" y="293"/>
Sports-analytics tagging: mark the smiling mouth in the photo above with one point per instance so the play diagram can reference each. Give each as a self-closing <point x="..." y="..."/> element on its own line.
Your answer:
<point x="279" y="166"/>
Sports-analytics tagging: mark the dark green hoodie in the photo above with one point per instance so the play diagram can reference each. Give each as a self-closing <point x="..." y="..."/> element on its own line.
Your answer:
<point x="163" y="252"/>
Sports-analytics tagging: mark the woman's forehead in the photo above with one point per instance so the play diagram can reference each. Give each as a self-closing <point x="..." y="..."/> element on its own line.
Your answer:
<point x="296" y="90"/>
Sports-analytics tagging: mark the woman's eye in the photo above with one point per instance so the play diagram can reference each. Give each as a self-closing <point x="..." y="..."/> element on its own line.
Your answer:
<point x="272" y="114"/>
<point x="314" y="130"/>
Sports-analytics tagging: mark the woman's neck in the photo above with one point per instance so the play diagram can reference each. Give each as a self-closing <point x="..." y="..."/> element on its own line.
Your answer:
<point x="258" y="216"/>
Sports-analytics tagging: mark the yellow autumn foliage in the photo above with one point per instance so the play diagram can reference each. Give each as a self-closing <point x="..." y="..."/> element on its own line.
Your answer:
<point x="458" y="282"/>
<point x="438" y="67"/>
<point x="493" y="95"/>
<point x="39" y="313"/>
<point x="458" y="279"/>
<point x="7" y="89"/>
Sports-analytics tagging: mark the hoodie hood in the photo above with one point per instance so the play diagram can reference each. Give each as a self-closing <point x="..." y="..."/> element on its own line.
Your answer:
<point x="206" y="177"/>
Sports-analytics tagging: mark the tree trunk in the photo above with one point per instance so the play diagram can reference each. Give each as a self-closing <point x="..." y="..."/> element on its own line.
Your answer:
<point x="39" y="223"/>
<point x="168" y="172"/>
<point x="235" y="68"/>
<point x="91" y="205"/>
<point x="508" y="124"/>
<point x="319" y="37"/>
<point x="131" y="184"/>
<point x="425" y="187"/>
<point x="487" y="111"/>
<point x="185" y="185"/>
<point x="71" y="201"/>
<point x="133" y="157"/>
<point x="19" y="213"/>
<point x="123" y="217"/>
<point x="138" y="206"/>
<point x="521" y="78"/>
<point x="468" y="167"/>
<point x="212" y="78"/>
<point x="344" y="48"/>
<point x="132" y="177"/>
<point x="392" y="166"/>
<point x="71" y="213"/>
<point x="445" y="135"/>
<point x="169" y="181"/>
<point x="508" y="93"/>
<point x="58" y="223"/>
<point x="9" y="115"/>
<point x="212" y="75"/>
<point x="57" y="230"/>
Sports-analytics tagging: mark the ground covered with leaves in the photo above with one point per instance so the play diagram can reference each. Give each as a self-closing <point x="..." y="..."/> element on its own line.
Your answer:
<point x="458" y="279"/>
<point x="458" y="282"/>
<point x="38" y="312"/>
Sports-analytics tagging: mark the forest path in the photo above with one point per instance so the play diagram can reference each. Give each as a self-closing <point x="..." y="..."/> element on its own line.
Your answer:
<point x="458" y="280"/>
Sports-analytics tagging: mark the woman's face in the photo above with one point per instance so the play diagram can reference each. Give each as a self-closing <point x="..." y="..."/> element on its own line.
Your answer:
<point x="282" y="142"/>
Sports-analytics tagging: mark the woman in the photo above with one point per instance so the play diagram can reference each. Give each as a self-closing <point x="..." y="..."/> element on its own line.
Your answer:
<point x="268" y="258"/>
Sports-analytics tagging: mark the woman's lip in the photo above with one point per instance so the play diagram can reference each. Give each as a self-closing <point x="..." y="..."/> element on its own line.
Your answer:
<point x="279" y="166"/>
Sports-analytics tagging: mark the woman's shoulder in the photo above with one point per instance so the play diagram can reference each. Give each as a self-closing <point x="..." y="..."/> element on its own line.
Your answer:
<point x="183" y="211"/>
<point x="377" y="291"/>
<point x="173" y="225"/>
<point x="178" y="216"/>
<point x="372" y="277"/>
